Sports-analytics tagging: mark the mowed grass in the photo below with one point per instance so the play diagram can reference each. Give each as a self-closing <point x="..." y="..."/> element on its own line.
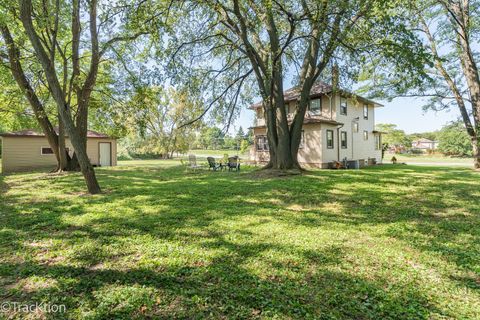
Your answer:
<point x="426" y="158"/>
<point x="386" y="242"/>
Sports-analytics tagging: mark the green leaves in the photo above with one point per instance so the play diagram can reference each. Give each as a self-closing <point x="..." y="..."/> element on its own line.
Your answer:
<point x="454" y="140"/>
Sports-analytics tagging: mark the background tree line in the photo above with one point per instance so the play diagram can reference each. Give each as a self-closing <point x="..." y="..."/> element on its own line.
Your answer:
<point x="452" y="139"/>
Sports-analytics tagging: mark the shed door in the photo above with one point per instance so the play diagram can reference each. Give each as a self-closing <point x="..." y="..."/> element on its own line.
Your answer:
<point x="105" y="154"/>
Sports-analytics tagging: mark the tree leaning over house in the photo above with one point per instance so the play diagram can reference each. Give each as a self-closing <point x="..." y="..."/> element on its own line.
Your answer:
<point x="264" y="39"/>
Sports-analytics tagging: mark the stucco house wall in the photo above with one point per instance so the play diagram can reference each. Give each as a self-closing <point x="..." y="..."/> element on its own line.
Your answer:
<point x="315" y="152"/>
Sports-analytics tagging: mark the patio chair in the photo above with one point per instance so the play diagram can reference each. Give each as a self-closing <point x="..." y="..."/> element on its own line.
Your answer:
<point x="212" y="164"/>
<point x="233" y="164"/>
<point x="192" y="163"/>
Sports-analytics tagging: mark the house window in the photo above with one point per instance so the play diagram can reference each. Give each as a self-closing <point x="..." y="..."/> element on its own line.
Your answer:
<point x="378" y="142"/>
<point x="46" y="151"/>
<point x="343" y="106"/>
<point x="365" y="111"/>
<point x="343" y="139"/>
<point x="315" y="106"/>
<point x="355" y="127"/>
<point x="330" y="139"/>
<point x="365" y="135"/>
<point x="262" y="143"/>
<point x="302" y="140"/>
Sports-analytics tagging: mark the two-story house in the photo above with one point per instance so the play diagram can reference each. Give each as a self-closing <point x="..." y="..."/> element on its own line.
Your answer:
<point x="337" y="125"/>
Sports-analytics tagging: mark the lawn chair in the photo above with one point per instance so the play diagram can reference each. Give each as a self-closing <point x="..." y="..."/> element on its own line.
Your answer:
<point x="212" y="164"/>
<point x="192" y="163"/>
<point x="233" y="164"/>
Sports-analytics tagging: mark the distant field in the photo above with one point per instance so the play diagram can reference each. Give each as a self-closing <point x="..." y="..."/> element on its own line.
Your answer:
<point x="414" y="158"/>
<point x="215" y="153"/>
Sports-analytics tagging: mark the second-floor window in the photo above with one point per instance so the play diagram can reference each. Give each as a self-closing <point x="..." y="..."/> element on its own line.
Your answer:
<point x="343" y="106"/>
<point x="355" y="127"/>
<point x="330" y="139"/>
<point x="315" y="106"/>
<point x="343" y="139"/>
<point x="365" y="111"/>
<point x="378" y="142"/>
<point x="365" y="135"/>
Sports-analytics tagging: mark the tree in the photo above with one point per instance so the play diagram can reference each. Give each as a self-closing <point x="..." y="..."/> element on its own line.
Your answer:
<point x="394" y="137"/>
<point x="153" y="117"/>
<point x="263" y="39"/>
<point x="68" y="59"/>
<point x="454" y="140"/>
<point x="450" y="77"/>
<point x="423" y="135"/>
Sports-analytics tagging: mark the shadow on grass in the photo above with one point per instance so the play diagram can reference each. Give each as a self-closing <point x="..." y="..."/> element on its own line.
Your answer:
<point x="210" y="272"/>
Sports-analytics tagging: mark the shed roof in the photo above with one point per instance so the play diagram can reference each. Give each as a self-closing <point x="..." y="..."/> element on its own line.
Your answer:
<point x="35" y="133"/>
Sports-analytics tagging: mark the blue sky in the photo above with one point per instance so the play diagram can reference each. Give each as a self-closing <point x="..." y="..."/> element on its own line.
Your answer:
<point x="406" y="113"/>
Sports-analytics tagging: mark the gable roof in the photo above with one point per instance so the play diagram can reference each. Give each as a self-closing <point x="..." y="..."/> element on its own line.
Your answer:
<point x="318" y="89"/>
<point x="34" y="133"/>
<point x="423" y="140"/>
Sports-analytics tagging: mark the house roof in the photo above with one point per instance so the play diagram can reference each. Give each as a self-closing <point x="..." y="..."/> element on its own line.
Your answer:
<point x="308" y="121"/>
<point x="423" y="140"/>
<point x="319" y="88"/>
<point x="35" y="133"/>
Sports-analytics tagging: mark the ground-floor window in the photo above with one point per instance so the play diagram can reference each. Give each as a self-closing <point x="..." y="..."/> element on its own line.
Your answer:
<point x="302" y="140"/>
<point x="378" y="142"/>
<point x="330" y="139"/>
<point x="365" y="135"/>
<point x="46" y="151"/>
<point x="262" y="143"/>
<point x="343" y="139"/>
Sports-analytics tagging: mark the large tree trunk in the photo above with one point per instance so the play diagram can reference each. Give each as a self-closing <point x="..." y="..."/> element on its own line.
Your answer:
<point x="59" y="96"/>
<point x="476" y="153"/>
<point x="62" y="165"/>
<point x="24" y="84"/>
<point x="460" y="17"/>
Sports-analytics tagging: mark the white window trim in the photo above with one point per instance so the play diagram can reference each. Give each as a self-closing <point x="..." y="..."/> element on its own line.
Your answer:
<point x="319" y="111"/>
<point x="365" y="106"/>
<point x="341" y="139"/>
<point x="45" y="154"/>
<point x="333" y="139"/>
<point x="302" y="140"/>
<point x="346" y="106"/>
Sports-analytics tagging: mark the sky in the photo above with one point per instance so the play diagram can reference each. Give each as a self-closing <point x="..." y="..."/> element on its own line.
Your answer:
<point x="406" y="113"/>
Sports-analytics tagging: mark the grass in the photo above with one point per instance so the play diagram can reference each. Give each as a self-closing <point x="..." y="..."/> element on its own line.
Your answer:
<point x="382" y="243"/>
<point x="425" y="158"/>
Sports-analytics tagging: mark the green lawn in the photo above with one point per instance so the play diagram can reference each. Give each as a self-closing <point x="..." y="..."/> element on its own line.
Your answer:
<point x="435" y="158"/>
<point x="381" y="243"/>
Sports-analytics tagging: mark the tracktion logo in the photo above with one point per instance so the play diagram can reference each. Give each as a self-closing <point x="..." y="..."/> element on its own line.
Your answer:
<point x="15" y="306"/>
